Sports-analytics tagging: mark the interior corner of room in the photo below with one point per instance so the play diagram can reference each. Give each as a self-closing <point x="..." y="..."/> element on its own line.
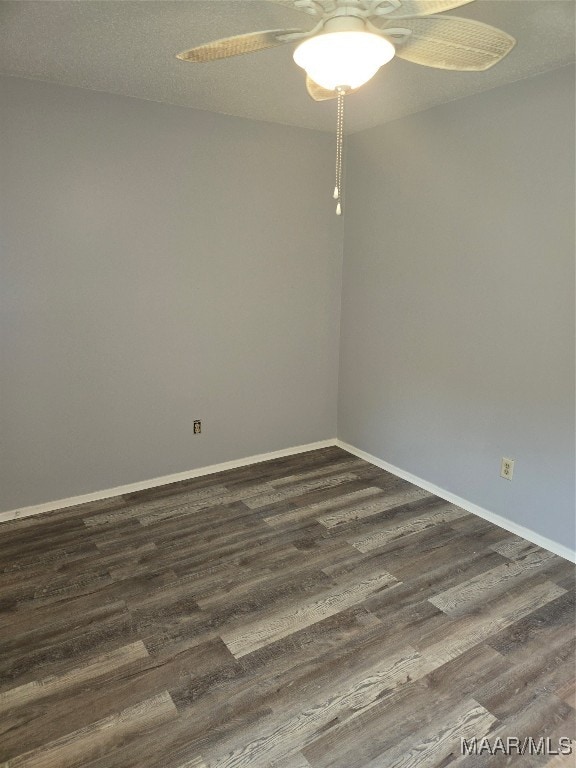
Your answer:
<point x="162" y="264"/>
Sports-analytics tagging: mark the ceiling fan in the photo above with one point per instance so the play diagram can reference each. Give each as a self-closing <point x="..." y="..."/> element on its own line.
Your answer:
<point x="352" y="39"/>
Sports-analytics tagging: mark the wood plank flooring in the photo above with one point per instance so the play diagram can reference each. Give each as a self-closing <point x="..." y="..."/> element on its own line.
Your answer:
<point x="308" y="612"/>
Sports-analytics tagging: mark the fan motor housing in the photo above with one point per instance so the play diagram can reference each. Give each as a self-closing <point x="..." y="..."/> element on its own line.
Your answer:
<point x="344" y="22"/>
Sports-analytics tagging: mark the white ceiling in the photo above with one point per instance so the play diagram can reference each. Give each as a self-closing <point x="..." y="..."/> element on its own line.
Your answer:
<point x="128" y="47"/>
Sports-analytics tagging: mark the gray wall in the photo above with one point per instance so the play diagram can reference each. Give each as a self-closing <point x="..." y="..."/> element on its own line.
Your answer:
<point x="458" y="305"/>
<point x="158" y="265"/>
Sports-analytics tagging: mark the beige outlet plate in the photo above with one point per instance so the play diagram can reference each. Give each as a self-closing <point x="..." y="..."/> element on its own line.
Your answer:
<point x="506" y="468"/>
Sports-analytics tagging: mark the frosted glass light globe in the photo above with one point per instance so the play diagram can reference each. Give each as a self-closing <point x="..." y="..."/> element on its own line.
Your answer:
<point x="346" y="59"/>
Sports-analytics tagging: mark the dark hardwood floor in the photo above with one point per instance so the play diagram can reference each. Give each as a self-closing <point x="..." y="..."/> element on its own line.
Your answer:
<point x="305" y="612"/>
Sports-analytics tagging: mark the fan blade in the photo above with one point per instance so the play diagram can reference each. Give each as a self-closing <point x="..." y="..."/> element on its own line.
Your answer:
<point x="239" y="44"/>
<point x="319" y="93"/>
<point x="400" y="9"/>
<point x="449" y="42"/>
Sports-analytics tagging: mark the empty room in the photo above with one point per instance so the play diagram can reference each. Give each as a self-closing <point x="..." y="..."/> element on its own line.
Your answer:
<point x="287" y="384"/>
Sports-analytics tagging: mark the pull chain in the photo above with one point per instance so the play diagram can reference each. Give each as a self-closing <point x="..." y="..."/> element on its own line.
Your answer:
<point x="339" y="150"/>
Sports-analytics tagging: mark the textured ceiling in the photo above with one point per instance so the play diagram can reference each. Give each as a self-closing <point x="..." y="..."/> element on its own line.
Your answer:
<point x="128" y="47"/>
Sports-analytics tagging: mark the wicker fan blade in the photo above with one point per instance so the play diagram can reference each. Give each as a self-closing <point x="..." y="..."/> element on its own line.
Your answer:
<point x="239" y="44"/>
<point x="319" y="93"/>
<point x="449" y="42"/>
<point x="400" y="9"/>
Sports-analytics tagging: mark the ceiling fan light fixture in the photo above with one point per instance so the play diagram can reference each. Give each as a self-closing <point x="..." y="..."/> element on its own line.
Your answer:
<point x="343" y="59"/>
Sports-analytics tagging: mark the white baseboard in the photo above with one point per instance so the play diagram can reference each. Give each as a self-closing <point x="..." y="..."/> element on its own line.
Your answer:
<point x="502" y="522"/>
<point x="38" y="509"/>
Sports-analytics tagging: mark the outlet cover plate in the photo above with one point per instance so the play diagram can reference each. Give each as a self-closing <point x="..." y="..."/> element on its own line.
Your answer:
<point x="506" y="468"/>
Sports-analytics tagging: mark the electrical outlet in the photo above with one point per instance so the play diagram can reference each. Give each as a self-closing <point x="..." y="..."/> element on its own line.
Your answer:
<point x="507" y="468"/>
<point x="197" y="427"/>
